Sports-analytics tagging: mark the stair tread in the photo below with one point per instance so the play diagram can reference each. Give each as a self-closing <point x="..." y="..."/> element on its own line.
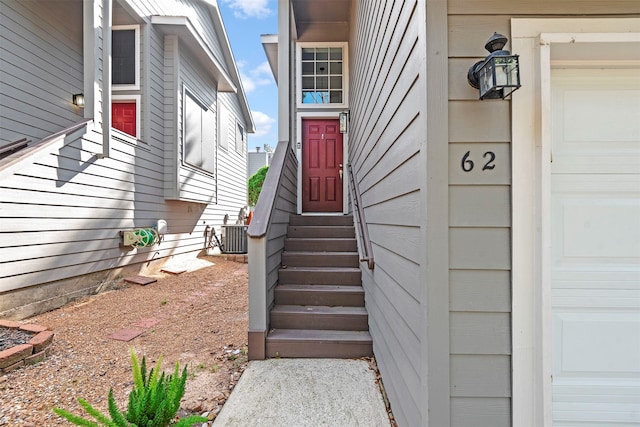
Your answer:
<point x="314" y="269"/>
<point x="314" y="253"/>
<point x="318" y="309"/>
<point x="320" y="288"/>
<point x="318" y="335"/>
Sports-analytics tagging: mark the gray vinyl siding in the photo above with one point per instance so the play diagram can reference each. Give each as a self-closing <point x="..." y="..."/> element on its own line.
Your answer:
<point x="480" y="211"/>
<point x="43" y="68"/>
<point x="61" y="210"/>
<point x="386" y="151"/>
<point x="285" y="204"/>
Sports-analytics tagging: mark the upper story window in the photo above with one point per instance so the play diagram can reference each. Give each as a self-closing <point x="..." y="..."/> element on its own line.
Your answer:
<point x="241" y="138"/>
<point x="199" y="146"/>
<point x="125" y="57"/>
<point x="322" y="74"/>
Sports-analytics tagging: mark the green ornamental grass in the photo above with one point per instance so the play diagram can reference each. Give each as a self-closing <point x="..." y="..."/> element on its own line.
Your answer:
<point x="153" y="402"/>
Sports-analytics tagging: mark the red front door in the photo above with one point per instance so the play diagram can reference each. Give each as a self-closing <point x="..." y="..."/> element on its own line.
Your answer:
<point x="321" y="166"/>
<point x="123" y="117"/>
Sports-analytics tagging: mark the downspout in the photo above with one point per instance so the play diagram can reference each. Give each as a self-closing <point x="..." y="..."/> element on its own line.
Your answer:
<point x="107" y="8"/>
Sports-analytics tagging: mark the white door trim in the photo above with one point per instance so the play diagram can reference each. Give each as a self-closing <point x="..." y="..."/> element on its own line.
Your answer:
<point x="345" y="155"/>
<point x="533" y="40"/>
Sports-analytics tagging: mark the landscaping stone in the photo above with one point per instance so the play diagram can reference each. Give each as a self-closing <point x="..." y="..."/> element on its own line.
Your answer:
<point x="14" y="354"/>
<point x="41" y="341"/>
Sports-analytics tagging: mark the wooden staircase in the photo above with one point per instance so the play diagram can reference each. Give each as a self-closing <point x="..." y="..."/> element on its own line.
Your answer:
<point x="319" y="302"/>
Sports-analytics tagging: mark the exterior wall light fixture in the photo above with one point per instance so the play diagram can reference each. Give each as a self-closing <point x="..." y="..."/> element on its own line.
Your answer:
<point x="344" y="121"/>
<point x="498" y="75"/>
<point x="78" y="100"/>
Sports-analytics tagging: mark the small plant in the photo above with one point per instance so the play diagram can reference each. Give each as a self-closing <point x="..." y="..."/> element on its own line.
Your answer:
<point x="153" y="402"/>
<point x="255" y="184"/>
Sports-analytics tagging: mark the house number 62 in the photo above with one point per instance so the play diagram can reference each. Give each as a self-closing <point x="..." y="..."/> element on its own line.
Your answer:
<point x="467" y="164"/>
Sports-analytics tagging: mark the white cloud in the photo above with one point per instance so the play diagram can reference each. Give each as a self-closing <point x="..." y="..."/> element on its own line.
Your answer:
<point x="259" y="76"/>
<point x="249" y="8"/>
<point x="263" y="123"/>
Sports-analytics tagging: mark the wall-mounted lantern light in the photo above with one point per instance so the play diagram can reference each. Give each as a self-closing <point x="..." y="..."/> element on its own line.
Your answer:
<point x="498" y="75"/>
<point x="78" y="100"/>
<point x="344" y="121"/>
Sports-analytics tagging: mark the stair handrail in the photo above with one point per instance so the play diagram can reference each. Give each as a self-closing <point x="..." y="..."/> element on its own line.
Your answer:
<point x="364" y="231"/>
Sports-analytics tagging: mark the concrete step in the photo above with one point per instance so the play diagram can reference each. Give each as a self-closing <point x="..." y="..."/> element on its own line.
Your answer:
<point x="321" y="220"/>
<point x="319" y="317"/>
<point x="321" y="231"/>
<point x="323" y="295"/>
<point x="320" y="276"/>
<point x="320" y="259"/>
<point x="318" y="343"/>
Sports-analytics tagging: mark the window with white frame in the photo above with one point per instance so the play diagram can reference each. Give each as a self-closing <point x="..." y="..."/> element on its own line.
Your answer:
<point x="199" y="130"/>
<point x="322" y="74"/>
<point x="241" y="138"/>
<point x="125" y="57"/>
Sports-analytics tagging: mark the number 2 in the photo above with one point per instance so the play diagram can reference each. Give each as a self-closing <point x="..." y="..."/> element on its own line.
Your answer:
<point x="489" y="165"/>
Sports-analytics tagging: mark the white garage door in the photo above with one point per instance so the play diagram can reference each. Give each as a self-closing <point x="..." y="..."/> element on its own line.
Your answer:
<point x="595" y="235"/>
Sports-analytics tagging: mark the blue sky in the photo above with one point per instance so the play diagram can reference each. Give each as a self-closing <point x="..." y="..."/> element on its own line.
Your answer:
<point x="245" y="21"/>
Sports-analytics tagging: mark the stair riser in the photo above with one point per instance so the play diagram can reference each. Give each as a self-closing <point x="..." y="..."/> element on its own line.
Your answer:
<point x="305" y="220"/>
<point x="321" y="232"/>
<point x="320" y="260"/>
<point x="320" y="277"/>
<point x="348" y="245"/>
<point x="318" y="349"/>
<point x="332" y="322"/>
<point x="330" y="299"/>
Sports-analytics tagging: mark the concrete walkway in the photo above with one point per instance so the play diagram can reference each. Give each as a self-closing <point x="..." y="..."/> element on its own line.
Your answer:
<point x="305" y="393"/>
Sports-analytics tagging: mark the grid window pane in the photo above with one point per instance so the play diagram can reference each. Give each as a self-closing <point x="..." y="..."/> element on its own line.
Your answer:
<point x="322" y="83"/>
<point x="322" y="54"/>
<point x="322" y="75"/>
<point x="308" y="83"/>
<point x="308" y="54"/>
<point x="308" y="68"/>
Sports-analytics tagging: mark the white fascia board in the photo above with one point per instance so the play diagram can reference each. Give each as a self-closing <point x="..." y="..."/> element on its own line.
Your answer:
<point x="182" y="27"/>
<point x="270" y="45"/>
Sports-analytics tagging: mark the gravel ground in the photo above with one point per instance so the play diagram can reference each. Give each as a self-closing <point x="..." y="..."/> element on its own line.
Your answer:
<point x="203" y="322"/>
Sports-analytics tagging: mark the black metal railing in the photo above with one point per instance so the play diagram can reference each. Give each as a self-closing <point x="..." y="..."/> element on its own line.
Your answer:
<point x="364" y="231"/>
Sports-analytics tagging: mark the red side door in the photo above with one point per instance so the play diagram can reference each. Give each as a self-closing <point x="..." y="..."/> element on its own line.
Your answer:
<point x="123" y="117"/>
<point x="321" y="166"/>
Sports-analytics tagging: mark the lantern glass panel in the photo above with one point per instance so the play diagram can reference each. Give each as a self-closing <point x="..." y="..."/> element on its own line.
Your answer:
<point x="486" y="78"/>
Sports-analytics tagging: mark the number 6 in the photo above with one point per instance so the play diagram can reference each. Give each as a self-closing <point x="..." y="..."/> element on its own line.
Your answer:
<point x="467" y="164"/>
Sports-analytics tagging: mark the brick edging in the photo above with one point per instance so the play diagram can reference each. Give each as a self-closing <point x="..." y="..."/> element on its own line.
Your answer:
<point x="31" y="353"/>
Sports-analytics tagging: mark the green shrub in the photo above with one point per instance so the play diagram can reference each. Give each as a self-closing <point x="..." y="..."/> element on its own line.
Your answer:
<point x="255" y="184"/>
<point x="153" y="402"/>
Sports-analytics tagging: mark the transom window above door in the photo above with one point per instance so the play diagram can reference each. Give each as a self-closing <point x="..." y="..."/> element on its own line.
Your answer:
<point x="322" y="71"/>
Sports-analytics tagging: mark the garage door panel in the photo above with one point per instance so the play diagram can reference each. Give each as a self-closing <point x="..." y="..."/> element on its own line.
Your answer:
<point x="602" y="295"/>
<point x="596" y="228"/>
<point x="596" y="125"/>
<point x="593" y="343"/>
<point x="595" y="247"/>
